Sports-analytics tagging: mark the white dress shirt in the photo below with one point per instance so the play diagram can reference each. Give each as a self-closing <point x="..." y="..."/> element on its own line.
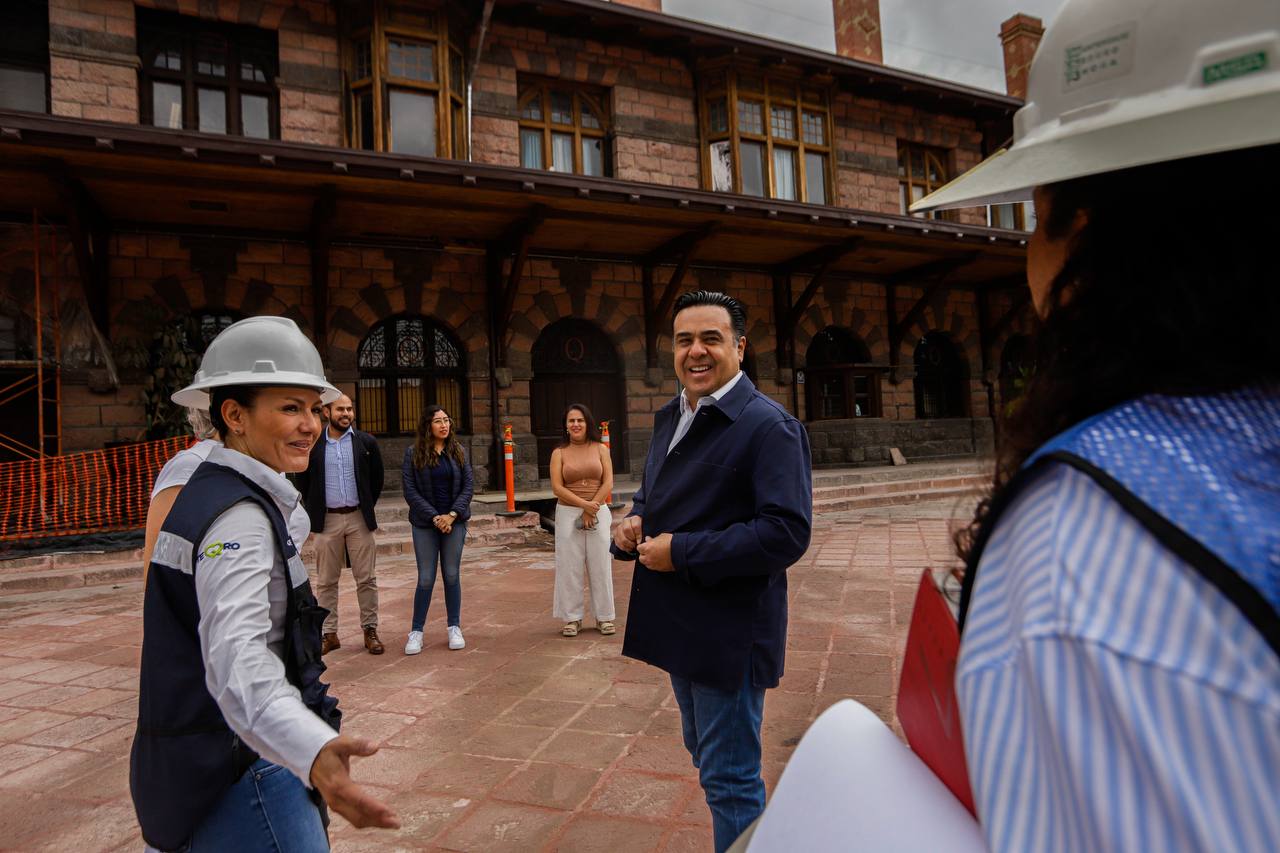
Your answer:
<point x="687" y="412"/>
<point x="243" y="593"/>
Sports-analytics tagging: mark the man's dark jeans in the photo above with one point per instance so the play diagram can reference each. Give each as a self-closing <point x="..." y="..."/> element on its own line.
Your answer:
<point x="722" y="732"/>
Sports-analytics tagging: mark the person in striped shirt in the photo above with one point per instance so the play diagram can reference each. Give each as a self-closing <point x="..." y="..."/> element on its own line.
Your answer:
<point x="1119" y="670"/>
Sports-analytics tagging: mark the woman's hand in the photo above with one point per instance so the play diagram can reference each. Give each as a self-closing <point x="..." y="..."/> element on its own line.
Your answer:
<point x="441" y="522"/>
<point x="331" y="776"/>
<point x="589" y="518"/>
<point x="594" y="507"/>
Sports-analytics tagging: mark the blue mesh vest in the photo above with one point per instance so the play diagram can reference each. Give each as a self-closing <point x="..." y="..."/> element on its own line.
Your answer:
<point x="1202" y="474"/>
<point x="184" y="755"/>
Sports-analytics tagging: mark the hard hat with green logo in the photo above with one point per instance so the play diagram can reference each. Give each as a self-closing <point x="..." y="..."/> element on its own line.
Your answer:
<point x="1123" y="83"/>
<point x="258" y="351"/>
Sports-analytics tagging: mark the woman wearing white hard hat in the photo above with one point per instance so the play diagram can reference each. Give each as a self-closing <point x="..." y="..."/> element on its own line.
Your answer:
<point x="237" y="743"/>
<point x="1119" y="670"/>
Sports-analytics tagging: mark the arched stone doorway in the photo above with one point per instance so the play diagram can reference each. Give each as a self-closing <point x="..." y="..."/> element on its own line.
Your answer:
<point x="575" y="362"/>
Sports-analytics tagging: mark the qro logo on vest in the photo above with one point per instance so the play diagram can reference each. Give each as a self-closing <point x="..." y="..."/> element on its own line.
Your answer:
<point x="215" y="549"/>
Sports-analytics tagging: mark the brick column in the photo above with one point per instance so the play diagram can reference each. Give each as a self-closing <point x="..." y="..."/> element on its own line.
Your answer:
<point x="857" y="25"/>
<point x="1020" y="36"/>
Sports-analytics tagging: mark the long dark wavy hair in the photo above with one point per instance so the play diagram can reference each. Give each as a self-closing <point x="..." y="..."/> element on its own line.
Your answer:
<point x="593" y="429"/>
<point x="1170" y="287"/>
<point x="424" y="449"/>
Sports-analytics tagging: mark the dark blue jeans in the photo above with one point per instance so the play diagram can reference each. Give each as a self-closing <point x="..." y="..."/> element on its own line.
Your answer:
<point x="267" y="810"/>
<point x="430" y="547"/>
<point x="721" y="730"/>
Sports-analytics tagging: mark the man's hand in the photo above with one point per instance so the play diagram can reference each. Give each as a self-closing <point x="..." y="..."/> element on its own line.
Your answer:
<point x="655" y="553"/>
<point x="627" y="534"/>
<point x="331" y="776"/>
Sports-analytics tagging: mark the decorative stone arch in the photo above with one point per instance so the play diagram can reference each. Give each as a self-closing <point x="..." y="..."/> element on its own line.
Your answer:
<point x="624" y="330"/>
<point x="825" y="314"/>
<point x="354" y="313"/>
<point x="179" y="296"/>
<point x="940" y="316"/>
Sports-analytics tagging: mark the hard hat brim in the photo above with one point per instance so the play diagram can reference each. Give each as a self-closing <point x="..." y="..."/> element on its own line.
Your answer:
<point x="196" y="395"/>
<point x="1011" y="174"/>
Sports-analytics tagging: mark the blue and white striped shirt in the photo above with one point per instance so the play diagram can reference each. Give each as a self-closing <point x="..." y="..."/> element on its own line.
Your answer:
<point x="340" y="471"/>
<point x="1112" y="699"/>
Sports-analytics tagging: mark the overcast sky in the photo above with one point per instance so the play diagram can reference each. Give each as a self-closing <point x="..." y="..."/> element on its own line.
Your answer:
<point x="957" y="40"/>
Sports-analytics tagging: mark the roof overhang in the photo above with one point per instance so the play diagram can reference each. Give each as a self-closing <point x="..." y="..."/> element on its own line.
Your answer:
<point x="150" y="179"/>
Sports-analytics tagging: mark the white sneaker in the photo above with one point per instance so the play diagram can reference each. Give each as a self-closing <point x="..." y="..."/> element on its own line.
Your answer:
<point x="455" y="638"/>
<point x="414" y="644"/>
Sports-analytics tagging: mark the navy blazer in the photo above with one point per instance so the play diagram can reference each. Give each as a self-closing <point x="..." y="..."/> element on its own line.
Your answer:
<point x="418" y="485"/>
<point x="737" y="493"/>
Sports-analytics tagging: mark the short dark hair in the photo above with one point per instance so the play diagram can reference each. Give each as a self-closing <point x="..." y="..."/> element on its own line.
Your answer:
<point x="737" y="311"/>
<point x="245" y="395"/>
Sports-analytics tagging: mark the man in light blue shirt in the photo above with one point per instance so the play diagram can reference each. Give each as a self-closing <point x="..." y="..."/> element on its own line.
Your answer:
<point x="340" y="488"/>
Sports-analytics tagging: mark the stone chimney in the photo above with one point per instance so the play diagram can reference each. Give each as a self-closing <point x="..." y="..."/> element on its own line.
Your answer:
<point x="1020" y="36"/>
<point x="858" y="29"/>
<point x="647" y="5"/>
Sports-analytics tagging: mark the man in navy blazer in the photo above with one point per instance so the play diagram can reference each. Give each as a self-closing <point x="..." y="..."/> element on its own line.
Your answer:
<point x="724" y="508"/>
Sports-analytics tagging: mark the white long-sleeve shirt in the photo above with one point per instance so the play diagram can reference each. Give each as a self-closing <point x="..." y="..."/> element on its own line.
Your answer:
<point x="242" y="587"/>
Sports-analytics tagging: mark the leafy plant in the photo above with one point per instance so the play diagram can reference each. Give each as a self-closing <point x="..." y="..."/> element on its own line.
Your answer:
<point x="172" y="365"/>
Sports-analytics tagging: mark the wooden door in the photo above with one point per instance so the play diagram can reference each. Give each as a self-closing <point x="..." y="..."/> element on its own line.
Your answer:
<point x="575" y="362"/>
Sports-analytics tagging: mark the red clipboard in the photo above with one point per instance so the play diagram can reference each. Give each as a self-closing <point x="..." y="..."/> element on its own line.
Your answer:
<point x="927" y="706"/>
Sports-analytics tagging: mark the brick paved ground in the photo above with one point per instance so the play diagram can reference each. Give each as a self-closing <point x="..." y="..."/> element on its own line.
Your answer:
<point x="524" y="741"/>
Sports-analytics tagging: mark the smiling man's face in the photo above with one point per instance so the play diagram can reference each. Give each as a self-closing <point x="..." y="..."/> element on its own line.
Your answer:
<point x="707" y="354"/>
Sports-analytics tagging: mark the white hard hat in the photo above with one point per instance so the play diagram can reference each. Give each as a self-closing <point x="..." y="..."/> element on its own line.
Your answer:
<point x="1123" y="83"/>
<point x="258" y="351"/>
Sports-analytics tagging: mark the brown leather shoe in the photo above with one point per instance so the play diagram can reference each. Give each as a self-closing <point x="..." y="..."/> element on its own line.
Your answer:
<point x="328" y="643"/>
<point x="371" y="641"/>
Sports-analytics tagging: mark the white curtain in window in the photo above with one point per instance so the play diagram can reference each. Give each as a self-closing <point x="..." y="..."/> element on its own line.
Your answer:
<point x="561" y="152"/>
<point x="784" y="173"/>
<point x="531" y="149"/>
<point x="722" y="166"/>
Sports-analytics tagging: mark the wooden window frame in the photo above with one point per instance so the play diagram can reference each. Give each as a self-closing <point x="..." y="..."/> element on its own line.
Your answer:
<point x="848" y="372"/>
<point x="449" y="93"/>
<point x="775" y="90"/>
<point x="595" y="99"/>
<point x="912" y="151"/>
<point x="152" y="28"/>
<point x="27" y="45"/>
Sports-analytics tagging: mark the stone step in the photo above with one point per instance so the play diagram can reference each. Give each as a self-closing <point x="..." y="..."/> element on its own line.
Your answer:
<point x="92" y="568"/>
<point x="857" y="502"/>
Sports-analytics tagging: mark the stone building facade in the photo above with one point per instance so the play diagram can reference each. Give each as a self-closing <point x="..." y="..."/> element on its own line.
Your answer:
<point x="894" y="331"/>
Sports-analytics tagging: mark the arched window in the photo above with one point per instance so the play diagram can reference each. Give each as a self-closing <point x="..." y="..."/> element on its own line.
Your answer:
<point x="940" y="378"/>
<point x="840" y="379"/>
<point x="406" y="363"/>
<point x="1016" y="367"/>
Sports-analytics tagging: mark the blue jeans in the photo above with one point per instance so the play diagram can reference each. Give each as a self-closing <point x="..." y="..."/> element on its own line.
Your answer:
<point x="721" y="730"/>
<point x="267" y="810"/>
<point x="429" y="547"/>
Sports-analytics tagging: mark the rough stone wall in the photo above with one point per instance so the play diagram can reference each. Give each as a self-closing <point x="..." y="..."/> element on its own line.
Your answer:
<point x="867" y="133"/>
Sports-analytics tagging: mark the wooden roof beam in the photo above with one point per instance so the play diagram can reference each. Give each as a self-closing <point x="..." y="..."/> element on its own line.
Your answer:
<point x="678" y="247"/>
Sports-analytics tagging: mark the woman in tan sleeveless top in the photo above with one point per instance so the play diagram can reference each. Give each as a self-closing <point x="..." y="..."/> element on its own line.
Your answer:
<point x="582" y="477"/>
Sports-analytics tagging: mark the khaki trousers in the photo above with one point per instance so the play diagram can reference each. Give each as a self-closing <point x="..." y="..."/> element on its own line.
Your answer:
<point x="346" y="532"/>
<point x="579" y="553"/>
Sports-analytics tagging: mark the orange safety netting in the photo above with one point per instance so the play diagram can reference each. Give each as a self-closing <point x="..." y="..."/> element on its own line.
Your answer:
<point x="92" y="492"/>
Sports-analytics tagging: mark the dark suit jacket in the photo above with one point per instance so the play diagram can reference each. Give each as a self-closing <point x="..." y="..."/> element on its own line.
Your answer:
<point x="418" y="491"/>
<point x="737" y="494"/>
<point x="369" y="474"/>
